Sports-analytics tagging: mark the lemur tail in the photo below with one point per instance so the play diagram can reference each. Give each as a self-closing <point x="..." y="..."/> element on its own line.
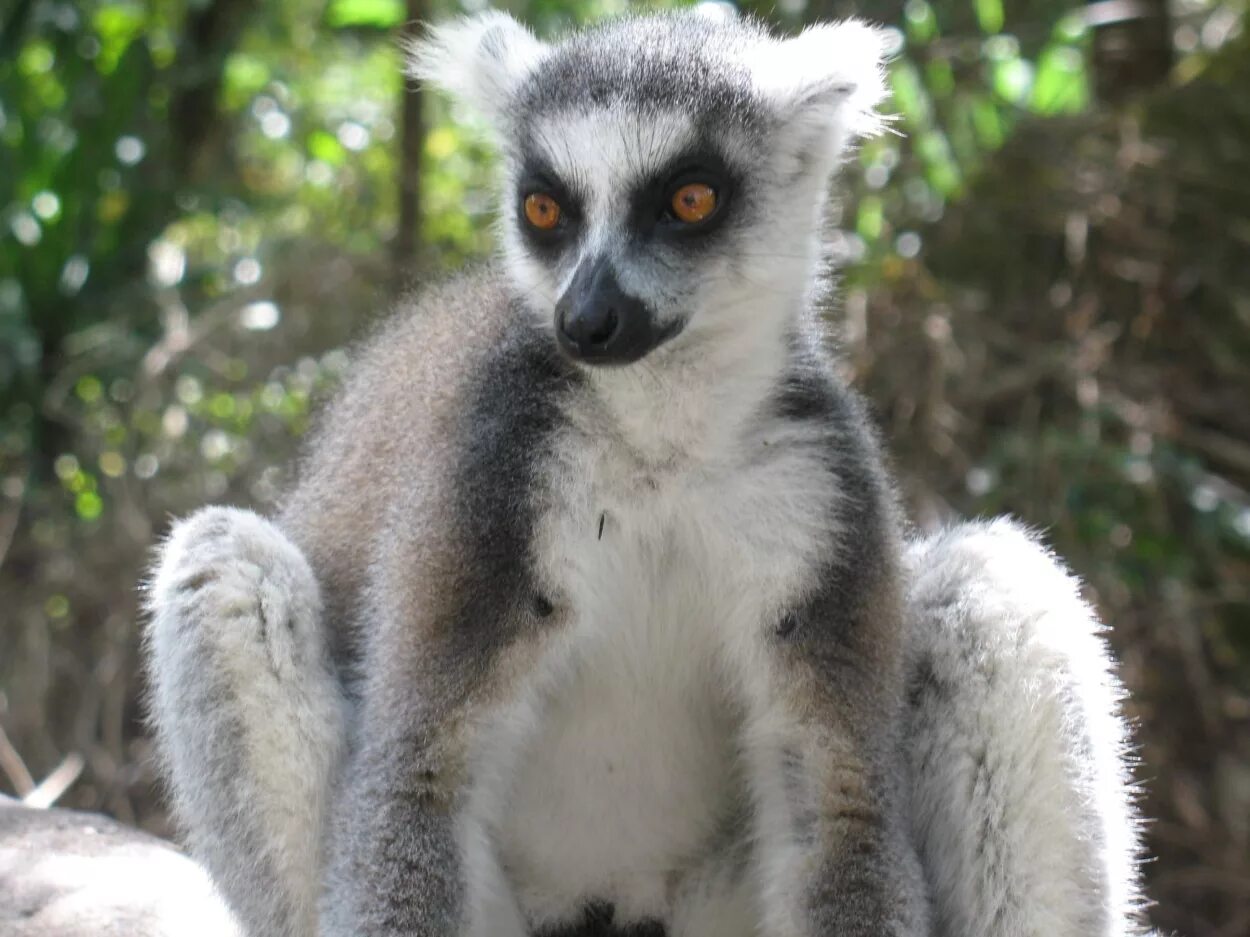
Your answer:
<point x="1021" y="801"/>
<point x="247" y="714"/>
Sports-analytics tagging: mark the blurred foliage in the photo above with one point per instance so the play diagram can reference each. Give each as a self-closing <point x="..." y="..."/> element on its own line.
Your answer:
<point x="1045" y="292"/>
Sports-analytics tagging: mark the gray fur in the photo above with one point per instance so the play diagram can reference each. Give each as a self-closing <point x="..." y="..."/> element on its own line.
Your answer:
<point x="661" y="62"/>
<point x="625" y="650"/>
<point x="397" y="869"/>
<point x="246" y="712"/>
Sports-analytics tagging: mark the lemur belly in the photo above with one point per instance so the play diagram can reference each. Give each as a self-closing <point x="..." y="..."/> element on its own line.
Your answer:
<point x="624" y="784"/>
<point x="628" y="779"/>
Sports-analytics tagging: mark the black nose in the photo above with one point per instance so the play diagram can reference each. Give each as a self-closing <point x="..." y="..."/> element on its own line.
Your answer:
<point x="591" y="325"/>
<point x="597" y="321"/>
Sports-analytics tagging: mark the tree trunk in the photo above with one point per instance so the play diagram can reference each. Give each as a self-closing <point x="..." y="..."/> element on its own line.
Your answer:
<point x="411" y="142"/>
<point x="1132" y="46"/>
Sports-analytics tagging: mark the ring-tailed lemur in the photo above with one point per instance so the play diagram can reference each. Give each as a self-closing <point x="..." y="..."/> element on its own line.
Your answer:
<point x="592" y="612"/>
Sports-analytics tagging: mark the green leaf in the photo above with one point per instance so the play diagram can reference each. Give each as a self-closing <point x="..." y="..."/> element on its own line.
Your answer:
<point x="1071" y="28"/>
<point x="989" y="15"/>
<point x="89" y="389"/>
<point x="871" y="219"/>
<point x="941" y="170"/>
<point x="36" y="58"/>
<point x="921" y="22"/>
<point x="940" y="77"/>
<point x="990" y="128"/>
<point x="117" y="25"/>
<point x="1012" y="79"/>
<point x="1062" y="82"/>
<point x="245" y="75"/>
<point x="910" y="96"/>
<point x="365" y="14"/>
<point x="324" y="146"/>
<point x="89" y="505"/>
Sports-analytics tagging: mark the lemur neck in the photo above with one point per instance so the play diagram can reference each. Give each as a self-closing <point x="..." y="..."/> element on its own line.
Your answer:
<point x="696" y="402"/>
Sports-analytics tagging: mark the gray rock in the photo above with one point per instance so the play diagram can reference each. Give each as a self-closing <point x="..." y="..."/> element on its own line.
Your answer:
<point x="70" y="874"/>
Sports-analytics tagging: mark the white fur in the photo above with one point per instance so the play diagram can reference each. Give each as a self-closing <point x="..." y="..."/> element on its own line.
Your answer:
<point x="641" y="734"/>
<point x="609" y="775"/>
<point x="1022" y="804"/>
<point x="677" y="527"/>
<point x="829" y="79"/>
<point x="627" y="763"/>
<point x="231" y="593"/>
<point x="679" y="394"/>
<point x="479" y="60"/>
<point x="615" y="770"/>
<point x="740" y="308"/>
<point x="652" y="720"/>
<point x="831" y="74"/>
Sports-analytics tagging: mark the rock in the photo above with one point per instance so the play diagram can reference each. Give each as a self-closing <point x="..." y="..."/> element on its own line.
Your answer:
<point x="70" y="874"/>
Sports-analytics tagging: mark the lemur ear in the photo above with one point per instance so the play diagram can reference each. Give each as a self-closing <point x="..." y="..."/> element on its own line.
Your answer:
<point x="479" y="60"/>
<point x="827" y="82"/>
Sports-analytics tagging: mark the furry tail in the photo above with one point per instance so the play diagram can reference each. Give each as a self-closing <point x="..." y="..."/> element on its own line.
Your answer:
<point x="1021" y="801"/>
<point x="247" y="714"/>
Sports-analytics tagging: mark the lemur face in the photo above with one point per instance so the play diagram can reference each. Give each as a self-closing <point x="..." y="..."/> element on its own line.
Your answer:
<point x="664" y="178"/>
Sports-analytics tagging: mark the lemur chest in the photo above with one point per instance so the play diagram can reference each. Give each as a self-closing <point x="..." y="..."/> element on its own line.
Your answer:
<point x="628" y="777"/>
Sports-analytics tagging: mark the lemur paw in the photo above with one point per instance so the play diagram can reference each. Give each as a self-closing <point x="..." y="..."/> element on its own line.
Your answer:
<point x="230" y="578"/>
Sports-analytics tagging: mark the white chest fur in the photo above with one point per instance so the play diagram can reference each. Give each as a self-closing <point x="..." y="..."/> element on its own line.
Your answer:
<point x="624" y="774"/>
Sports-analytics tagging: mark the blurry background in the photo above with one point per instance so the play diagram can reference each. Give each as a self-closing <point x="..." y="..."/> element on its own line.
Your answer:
<point x="1046" y="294"/>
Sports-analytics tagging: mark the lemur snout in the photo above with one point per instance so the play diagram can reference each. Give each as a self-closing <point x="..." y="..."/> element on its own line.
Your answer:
<point x="599" y="323"/>
<point x="591" y="326"/>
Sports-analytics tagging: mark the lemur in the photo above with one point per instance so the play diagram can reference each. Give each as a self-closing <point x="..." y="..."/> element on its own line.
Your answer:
<point x="593" y="611"/>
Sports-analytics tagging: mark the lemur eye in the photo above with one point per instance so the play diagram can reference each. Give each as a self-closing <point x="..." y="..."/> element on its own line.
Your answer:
<point x="693" y="202"/>
<point x="542" y="211"/>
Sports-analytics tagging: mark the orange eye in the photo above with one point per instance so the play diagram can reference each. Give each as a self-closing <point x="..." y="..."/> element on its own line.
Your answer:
<point x="542" y="211"/>
<point x="694" y="202"/>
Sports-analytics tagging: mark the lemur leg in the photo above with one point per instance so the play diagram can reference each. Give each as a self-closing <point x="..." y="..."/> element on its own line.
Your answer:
<point x="409" y="859"/>
<point x="411" y="841"/>
<point x="833" y="857"/>
<point x="1021" y="802"/>
<point x="719" y="898"/>
<point x="247" y="714"/>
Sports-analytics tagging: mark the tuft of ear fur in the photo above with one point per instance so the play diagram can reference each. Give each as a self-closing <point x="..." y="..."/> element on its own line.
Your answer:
<point x="827" y="81"/>
<point x="479" y="60"/>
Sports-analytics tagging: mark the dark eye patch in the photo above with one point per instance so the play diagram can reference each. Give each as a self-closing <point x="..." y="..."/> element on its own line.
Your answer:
<point x="537" y="177"/>
<point x="651" y="203"/>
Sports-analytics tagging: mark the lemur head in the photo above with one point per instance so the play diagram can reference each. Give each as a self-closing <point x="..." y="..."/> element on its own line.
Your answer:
<point x="664" y="176"/>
